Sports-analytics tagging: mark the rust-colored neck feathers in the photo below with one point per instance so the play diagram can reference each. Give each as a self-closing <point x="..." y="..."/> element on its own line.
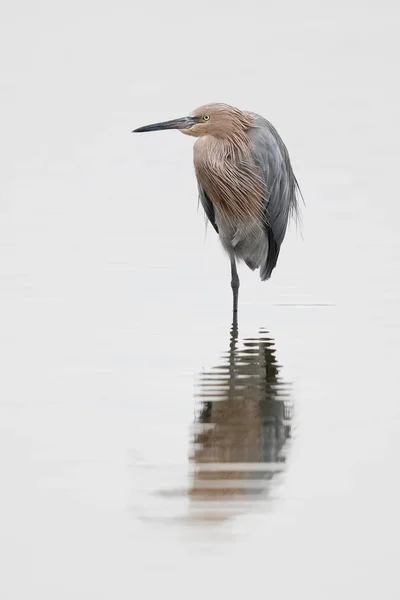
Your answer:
<point x="223" y="163"/>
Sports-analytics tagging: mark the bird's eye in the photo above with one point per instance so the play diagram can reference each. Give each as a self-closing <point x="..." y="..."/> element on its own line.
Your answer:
<point x="206" y="117"/>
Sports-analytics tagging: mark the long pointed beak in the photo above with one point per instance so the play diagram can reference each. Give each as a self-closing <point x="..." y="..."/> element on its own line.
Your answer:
<point x="182" y="123"/>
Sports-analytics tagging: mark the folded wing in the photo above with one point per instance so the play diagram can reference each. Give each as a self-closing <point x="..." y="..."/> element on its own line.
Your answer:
<point x="280" y="202"/>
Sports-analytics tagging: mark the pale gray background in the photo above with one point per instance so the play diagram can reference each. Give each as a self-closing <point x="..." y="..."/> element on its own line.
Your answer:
<point x="113" y="301"/>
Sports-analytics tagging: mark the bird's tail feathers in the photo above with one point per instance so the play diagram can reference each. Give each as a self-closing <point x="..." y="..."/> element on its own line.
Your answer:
<point x="272" y="258"/>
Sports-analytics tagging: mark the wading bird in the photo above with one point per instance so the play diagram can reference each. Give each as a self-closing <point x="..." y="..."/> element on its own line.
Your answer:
<point x="246" y="183"/>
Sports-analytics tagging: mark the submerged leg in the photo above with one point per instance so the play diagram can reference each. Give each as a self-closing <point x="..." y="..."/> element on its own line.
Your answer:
<point x="235" y="286"/>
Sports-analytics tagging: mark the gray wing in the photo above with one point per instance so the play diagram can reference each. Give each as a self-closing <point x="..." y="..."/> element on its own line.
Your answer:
<point x="208" y="207"/>
<point x="281" y="187"/>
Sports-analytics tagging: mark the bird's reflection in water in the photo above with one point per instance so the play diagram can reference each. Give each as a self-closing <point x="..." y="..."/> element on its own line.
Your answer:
<point x="241" y="429"/>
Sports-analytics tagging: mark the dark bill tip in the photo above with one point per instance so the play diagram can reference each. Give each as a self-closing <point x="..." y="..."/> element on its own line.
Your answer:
<point x="182" y="123"/>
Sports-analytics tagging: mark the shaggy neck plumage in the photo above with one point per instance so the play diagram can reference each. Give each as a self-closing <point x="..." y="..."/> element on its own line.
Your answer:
<point x="226" y="171"/>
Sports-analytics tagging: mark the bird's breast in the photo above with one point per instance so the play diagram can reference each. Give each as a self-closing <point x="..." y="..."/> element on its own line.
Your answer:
<point x="229" y="177"/>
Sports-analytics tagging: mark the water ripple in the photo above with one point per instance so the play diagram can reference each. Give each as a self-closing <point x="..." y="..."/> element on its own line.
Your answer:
<point x="242" y="427"/>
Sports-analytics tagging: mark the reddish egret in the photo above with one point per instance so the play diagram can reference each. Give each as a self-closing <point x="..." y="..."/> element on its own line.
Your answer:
<point x="246" y="183"/>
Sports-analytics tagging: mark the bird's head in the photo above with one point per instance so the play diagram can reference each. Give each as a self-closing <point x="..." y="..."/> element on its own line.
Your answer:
<point x="217" y="120"/>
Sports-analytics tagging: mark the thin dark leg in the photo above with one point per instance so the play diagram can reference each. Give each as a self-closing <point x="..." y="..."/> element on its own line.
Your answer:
<point x="235" y="287"/>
